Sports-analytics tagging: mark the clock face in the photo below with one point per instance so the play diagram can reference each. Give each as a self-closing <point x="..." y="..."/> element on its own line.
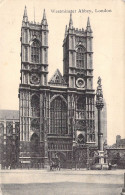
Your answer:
<point x="80" y="83"/>
<point x="35" y="79"/>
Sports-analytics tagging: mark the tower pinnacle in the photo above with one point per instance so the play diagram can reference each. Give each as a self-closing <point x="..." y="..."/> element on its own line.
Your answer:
<point x="88" y="28"/>
<point x="88" y="22"/>
<point x="70" y="21"/>
<point x="25" y="17"/>
<point x="44" y="15"/>
<point x="25" y="12"/>
<point x="44" y="20"/>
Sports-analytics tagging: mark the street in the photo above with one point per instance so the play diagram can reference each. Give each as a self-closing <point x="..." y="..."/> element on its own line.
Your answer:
<point x="64" y="182"/>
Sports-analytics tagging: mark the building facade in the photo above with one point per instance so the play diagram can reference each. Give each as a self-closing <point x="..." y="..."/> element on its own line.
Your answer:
<point x="116" y="153"/>
<point x="9" y="138"/>
<point x="57" y="118"/>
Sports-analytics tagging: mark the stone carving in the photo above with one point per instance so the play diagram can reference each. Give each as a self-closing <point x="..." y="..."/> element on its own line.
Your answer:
<point x="35" y="124"/>
<point x="99" y="95"/>
<point x="57" y="79"/>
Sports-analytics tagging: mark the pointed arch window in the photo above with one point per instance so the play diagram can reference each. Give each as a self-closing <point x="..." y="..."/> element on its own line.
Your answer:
<point x="35" y="107"/>
<point x="35" y="52"/>
<point x="58" y="116"/>
<point x="80" y="57"/>
<point x="81" y="103"/>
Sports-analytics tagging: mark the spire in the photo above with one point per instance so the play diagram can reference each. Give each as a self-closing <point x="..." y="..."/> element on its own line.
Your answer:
<point x="70" y="21"/>
<point x="88" y="22"/>
<point x="44" y="20"/>
<point x="44" y="15"/>
<point x="25" y="17"/>
<point x="88" y="28"/>
<point x="25" y="12"/>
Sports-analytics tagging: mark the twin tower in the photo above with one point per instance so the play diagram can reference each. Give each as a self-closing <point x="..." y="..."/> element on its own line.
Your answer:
<point x="57" y="118"/>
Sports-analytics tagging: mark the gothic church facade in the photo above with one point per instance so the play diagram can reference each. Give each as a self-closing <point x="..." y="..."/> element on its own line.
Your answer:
<point x="57" y="117"/>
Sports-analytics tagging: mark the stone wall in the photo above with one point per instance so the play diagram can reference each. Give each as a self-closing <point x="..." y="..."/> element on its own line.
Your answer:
<point x="9" y="143"/>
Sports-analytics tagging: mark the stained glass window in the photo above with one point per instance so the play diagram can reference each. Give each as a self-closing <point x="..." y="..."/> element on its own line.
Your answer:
<point x="58" y="116"/>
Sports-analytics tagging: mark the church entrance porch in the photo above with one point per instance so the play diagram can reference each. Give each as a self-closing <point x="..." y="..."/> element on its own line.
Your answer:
<point x="80" y="157"/>
<point x="31" y="153"/>
<point x="35" y="151"/>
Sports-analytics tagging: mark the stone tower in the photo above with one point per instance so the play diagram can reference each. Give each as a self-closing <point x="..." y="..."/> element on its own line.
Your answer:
<point x="77" y="56"/>
<point x="78" y="74"/>
<point x="34" y="71"/>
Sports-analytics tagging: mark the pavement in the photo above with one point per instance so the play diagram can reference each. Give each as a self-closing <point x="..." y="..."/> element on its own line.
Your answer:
<point x="63" y="182"/>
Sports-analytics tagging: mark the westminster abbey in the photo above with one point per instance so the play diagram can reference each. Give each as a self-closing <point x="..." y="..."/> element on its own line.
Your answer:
<point x="56" y="117"/>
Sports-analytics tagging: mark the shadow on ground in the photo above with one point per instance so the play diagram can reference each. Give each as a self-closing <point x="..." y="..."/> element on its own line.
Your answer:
<point x="61" y="188"/>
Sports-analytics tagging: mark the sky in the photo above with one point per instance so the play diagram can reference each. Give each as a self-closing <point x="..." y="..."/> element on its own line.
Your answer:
<point x="108" y="47"/>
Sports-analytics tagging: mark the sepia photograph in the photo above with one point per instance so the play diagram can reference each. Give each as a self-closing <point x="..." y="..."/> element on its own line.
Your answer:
<point x="62" y="94"/>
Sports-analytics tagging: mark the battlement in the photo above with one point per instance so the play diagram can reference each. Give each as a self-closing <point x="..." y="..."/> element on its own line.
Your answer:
<point x="79" y="31"/>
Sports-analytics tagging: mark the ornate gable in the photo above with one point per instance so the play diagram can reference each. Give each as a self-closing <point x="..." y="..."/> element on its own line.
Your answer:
<point x="57" y="79"/>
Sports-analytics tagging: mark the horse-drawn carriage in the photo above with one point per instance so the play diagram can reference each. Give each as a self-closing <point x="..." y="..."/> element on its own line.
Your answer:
<point x="55" y="164"/>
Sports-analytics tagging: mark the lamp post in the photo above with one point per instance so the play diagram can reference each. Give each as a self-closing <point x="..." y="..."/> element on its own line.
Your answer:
<point x="99" y="106"/>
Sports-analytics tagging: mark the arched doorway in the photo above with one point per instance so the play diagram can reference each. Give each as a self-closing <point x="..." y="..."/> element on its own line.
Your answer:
<point x="34" y="146"/>
<point x="80" y="157"/>
<point x="34" y="150"/>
